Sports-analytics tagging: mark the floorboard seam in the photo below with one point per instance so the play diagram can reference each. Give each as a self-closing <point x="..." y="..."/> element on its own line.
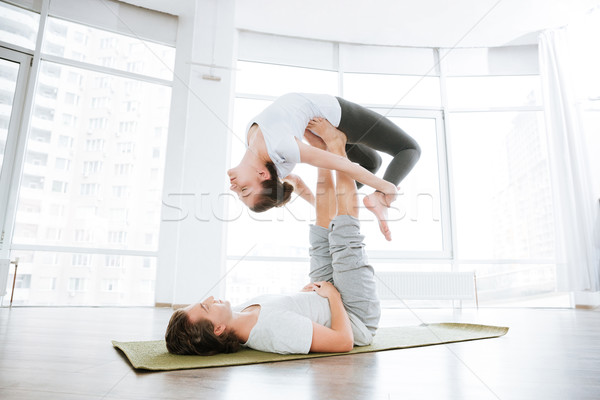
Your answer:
<point x="115" y="385"/>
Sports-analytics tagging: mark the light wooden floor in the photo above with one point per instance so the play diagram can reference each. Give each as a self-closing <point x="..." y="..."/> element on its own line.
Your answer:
<point x="65" y="353"/>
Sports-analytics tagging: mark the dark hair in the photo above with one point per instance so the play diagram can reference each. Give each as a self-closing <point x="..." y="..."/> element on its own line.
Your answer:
<point x="185" y="337"/>
<point x="274" y="194"/>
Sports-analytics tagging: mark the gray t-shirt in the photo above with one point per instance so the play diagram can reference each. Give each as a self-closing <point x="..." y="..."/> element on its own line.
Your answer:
<point x="284" y="323"/>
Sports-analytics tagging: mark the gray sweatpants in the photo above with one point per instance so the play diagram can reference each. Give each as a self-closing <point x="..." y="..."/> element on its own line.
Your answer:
<point x="337" y="255"/>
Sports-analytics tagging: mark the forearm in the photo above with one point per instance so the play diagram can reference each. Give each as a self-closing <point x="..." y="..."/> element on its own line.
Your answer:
<point x="340" y="322"/>
<point x="324" y="159"/>
<point x="362" y="175"/>
<point x="300" y="188"/>
<point x="303" y="191"/>
<point x="339" y="337"/>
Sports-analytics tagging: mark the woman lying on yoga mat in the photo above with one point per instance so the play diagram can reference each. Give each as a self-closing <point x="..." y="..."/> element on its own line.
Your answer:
<point x="337" y="310"/>
<point x="274" y="140"/>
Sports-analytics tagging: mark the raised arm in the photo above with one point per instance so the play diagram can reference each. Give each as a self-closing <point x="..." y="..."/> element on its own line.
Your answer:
<point x="324" y="159"/>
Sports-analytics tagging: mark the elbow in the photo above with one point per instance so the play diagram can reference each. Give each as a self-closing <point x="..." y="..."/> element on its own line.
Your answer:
<point x="346" y="347"/>
<point x="347" y="344"/>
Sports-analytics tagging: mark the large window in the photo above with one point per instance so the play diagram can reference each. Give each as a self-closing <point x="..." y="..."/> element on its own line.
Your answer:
<point x="87" y="213"/>
<point x="478" y="200"/>
<point x="502" y="187"/>
<point x="504" y="206"/>
<point x="268" y="252"/>
<point x="94" y="169"/>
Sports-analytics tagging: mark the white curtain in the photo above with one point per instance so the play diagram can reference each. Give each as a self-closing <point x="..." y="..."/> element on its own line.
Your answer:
<point x="573" y="179"/>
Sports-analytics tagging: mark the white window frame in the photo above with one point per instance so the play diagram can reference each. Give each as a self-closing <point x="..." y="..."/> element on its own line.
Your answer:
<point x="31" y="62"/>
<point x="335" y="55"/>
<point x="11" y="152"/>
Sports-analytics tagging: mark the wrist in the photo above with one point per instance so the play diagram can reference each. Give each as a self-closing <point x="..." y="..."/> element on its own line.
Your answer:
<point x="335" y="296"/>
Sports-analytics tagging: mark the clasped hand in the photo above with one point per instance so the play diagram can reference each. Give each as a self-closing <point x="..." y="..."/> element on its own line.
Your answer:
<point x="323" y="289"/>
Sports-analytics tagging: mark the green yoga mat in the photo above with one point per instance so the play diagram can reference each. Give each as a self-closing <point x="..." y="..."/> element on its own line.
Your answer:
<point x="153" y="355"/>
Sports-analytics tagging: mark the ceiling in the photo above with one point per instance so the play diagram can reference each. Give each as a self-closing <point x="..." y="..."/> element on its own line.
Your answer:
<point x="419" y="23"/>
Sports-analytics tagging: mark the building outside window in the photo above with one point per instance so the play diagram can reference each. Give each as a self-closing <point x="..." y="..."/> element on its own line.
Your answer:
<point x="90" y="89"/>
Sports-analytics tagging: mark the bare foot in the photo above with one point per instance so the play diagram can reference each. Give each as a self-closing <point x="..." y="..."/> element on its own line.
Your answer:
<point x="314" y="140"/>
<point x="376" y="203"/>
<point x="329" y="133"/>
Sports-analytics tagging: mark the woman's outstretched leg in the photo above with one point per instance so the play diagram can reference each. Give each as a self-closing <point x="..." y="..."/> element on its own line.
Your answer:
<point x="352" y="275"/>
<point x="375" y="202"/>
<point x="326" y="208"/>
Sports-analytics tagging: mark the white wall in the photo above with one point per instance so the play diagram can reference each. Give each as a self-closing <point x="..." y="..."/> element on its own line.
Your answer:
<point x="192" y="239"/>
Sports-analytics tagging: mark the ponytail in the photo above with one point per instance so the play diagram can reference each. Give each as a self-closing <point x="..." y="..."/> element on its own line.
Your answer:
<point x="275" y="193"/>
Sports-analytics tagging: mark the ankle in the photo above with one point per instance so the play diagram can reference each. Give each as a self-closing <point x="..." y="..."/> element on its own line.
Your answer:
<point x="337" y="148"/>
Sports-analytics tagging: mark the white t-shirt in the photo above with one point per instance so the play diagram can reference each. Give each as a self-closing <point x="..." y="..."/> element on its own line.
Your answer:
<point x="284" y="323"/>
<point x="286" y="119"/>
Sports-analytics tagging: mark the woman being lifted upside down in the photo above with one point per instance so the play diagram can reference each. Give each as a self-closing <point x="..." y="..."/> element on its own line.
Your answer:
<point x="275" y="146"/>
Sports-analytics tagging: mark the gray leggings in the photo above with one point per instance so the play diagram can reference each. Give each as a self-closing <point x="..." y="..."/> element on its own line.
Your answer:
<point x="368" y="133"/>
<point x="337" y="255"/>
